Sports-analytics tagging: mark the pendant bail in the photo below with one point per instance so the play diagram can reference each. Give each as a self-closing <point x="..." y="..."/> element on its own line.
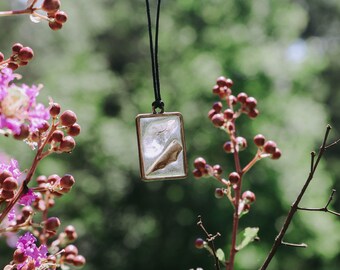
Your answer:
<point x="157" y="104"/>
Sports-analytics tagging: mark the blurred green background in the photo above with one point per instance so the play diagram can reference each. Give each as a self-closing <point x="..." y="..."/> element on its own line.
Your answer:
<point x="285" y="53"/>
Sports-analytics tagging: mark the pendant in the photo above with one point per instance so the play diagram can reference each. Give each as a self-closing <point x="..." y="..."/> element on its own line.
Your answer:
<point x="161" y="146"/>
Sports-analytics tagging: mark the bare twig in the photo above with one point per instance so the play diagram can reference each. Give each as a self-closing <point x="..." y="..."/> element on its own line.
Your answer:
<point x="314" y="164"/>
<point x="210" y="239"/>
<point x="301" y="245"/>
<point x="323" y="209"/>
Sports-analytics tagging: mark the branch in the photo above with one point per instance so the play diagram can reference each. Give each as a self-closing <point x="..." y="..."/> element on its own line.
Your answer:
<point x="314" y="164"/>
<point x="323" y="209"/>
<point x="210" y="239"/>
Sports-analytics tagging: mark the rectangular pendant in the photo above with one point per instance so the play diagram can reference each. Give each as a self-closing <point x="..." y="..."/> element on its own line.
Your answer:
<point x="161" y="146"/>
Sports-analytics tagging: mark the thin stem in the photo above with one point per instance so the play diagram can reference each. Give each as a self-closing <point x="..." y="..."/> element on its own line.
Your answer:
<point x="301" y="245"/>
<point x="210" y="239"/>
<point x="322" y="209"/>
<point x="294" y="207"/>
<point x="252" y="162"/>
<point x="23" y="187"/>
<point x="236" y="216"/>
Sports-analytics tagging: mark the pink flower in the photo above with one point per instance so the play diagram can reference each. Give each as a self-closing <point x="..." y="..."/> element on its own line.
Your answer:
<point x="26" y="243"/>
<point x="12" y="167"/>
<point x="27" y="198"/>
<point x="18" y="105"/>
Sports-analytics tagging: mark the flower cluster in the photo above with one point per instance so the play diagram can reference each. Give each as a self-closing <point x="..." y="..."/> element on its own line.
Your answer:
<point x="20" y="114"/>
<point x="225" y="119"/>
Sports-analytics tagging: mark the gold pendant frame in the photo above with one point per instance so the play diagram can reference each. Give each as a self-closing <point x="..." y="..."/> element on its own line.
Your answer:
<point x="161" y="146"/>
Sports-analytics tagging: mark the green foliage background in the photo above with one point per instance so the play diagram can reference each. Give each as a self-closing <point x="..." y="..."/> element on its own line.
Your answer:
<point x="285" y="53"/>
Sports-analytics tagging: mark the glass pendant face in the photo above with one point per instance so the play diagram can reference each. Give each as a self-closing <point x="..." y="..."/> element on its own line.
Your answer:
<point x="161" y="145"/>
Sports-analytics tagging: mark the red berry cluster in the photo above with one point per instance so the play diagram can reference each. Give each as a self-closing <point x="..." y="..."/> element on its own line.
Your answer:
<point x="71" y="256"/>
<point x="225" y="119"/>
<point x="204" y="169"/>
<point x="8" y="185"/>
<point x="267" y="148"/>
<point x="20" y="57"/>
<point x="55" y="16"/>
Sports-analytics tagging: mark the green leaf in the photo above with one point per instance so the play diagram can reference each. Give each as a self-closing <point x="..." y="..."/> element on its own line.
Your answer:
<point x="249" y="236"/>
<point x="220" y="255"/>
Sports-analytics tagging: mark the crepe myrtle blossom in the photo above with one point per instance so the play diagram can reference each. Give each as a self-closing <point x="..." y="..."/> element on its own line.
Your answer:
<point x="18" y="107"/>
<point x="29" y="251"/>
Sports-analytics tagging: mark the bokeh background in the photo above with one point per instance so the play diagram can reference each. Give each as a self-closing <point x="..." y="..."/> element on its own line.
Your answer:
<point x="285" y="53"/>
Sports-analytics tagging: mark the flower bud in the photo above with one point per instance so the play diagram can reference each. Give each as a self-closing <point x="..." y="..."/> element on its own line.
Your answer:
<point x="241" y="143"/>
<point x="248" y="196"/>
<point x="16" y="48"/>
<point x="200" y="163"/>
<point x="53" y="178"/>
<point x="197" y="173"/>
<point x="79" y="261"/>
<point x="67" y="144"/>
<point x="12" y="65"/>
<point x="55" y="25"/>
<point x="276" y="154"/>
<point x="10" y="184"/>
<point x="73" y="130"/>
<point x="253" y="113"/>
<point x="44" y="127"/>
<point x="25" y="54"/>
<point x="41" y="179"/>
<point x="251" y="102"/>
<point x="2" y="57"/>
<point x="216" y="89"/>
<point x="242" y="97"/>
<point x="228" y="114"/>
<point x="3" y="175"/>
<point x="23" y="134"/>
<point x="57" y="136"/>
<point x="217" y="106"/>
<point x="55" y="109"/>
<point x="228" y="147"/>
<point x="217" y="169"/>
<point x="211" y="113"/>
<point x="269" y="147"/>
<point x="60" y="16"/>
<point x="219" y="193"/>
<point x="52" y="224"/>
<point x="50" y="5"/>
<point x="259" y="140"/>
<point x="71" y="232"/>
<point x="222" y="81"/>
<point x="27" y="211"/>
<point x="6" y="194"/>
<point x="199" y="243"/>
<point x="67" y="181"/>
<point x="218" y="120"/>
<point x="19" y="256"/>
<point x="71" y="249"/>
<point x="234" y="177"/>
<point x="68" y="118"/>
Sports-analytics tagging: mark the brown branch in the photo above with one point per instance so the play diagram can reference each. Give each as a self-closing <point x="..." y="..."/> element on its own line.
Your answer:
<point x="322" y="209"/>
<point x="294" y="206"/>
<point x="210" y="239"/>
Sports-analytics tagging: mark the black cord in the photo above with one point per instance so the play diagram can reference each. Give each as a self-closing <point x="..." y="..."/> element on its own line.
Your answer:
<point x="158" y="103"/>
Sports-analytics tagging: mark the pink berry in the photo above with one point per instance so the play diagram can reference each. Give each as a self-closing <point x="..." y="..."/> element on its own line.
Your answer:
<point x="25" y="54"/>
<point x="52" y="224"/>
<point x="197" y="173"/>
<point x="217" y="106"/>
<point x="249" y="196"/>
<point x="17" y="47"/>
<point x="218" y="120"/>
<point x="79" y="260"/>
<point x="234" y="177"/>
<point x="54" y="109"/>
<point x="67" y="181"/>
<point x="276" y="154"/>
<point x="200" y="163"/>
<point x="50" y="5"/>
<point x="2" y="57"/>
<point x="68" y="118"/>
<point x="228" y="114"/>
<point x="74" y="130"/>
<point x="67" y="144"/>
<point x="216" y="89"/>
<point x="199" y="243"/>
<point x="60" y="16"/>
<point x="219" y="193"/>
<point x="253" y="113"/>
<point x="228" y="147"/>
<point x="211" y="113"/>
<point x="259" y="140"/>
<point x="10" y="184"/>
<point x="251" y="102"/>
<point x="242" y="97"/>
<point x="269" y="147"/>
<point x="217" y="169"/>
<point x="55" y="25"/>
<point x="71" y="249"/>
